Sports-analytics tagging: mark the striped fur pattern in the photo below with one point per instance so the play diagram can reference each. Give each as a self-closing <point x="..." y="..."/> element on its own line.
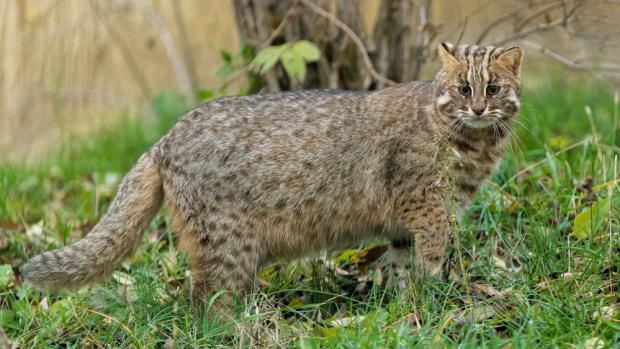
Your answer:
<point x="249" y="180"/>
<point x="481" y="119"/>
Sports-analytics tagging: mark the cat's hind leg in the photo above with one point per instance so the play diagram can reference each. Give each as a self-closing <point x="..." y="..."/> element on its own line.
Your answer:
<point x="223" y="256"/>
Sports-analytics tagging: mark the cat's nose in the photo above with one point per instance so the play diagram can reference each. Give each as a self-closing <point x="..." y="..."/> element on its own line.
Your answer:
<point x="478" y="108"/>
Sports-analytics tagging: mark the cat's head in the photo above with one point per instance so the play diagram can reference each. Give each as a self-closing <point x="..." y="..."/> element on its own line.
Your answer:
<point x="479" y="85"/>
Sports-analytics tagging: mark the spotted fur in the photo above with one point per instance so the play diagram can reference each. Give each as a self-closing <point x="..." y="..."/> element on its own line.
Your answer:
<point x="249" y="180"/>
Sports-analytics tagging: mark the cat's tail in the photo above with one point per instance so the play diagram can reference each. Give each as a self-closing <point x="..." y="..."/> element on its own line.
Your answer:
<point x="114" y="238"/>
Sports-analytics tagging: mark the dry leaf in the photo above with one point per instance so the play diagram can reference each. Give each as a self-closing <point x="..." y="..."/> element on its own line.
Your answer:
<point x="169" y="344"/>
<point x="5" y="342"/>
<point x="126" y="286"/>
<point x="296" y="303"/>
<point x="500" y="263"/>
<point x="123" y="278"/>
<point x="35" y="230"/>
<point x="605" y="313"/>
<point x="594" y="343"/>
<point x="587" y="221"/>
<point x="262" y="282"/>
<point x="347" y="321"/>
<point x="414" y="320"/>
<point x="482" y="313"/>
<point x="486" y="289"/>
<point x="567" y="276"/>
<point x="44" y="304"/>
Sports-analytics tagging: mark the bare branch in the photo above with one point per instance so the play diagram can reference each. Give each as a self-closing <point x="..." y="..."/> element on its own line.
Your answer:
<point x="540" y="12"/>
<point x="241" y="72"/>
<point x="358" y="42"/>
<point x="529" y="31"/>
<point x="510" y="15"/>
<point x="462" y="33"/>
<point x="572" y="64"/>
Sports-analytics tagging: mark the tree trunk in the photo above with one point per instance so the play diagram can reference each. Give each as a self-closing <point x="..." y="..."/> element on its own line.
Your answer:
<point x="341" y="64"/>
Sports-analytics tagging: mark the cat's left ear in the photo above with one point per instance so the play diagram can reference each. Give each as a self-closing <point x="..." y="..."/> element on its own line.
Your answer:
<point x="448" y="60"/>
<point x="511" y="60"/>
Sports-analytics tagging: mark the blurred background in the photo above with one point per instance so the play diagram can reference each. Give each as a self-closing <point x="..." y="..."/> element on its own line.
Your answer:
<point x="68" y="66"/>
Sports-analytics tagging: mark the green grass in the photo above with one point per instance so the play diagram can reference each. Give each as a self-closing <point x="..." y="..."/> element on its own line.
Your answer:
<point x="518" y="278"/>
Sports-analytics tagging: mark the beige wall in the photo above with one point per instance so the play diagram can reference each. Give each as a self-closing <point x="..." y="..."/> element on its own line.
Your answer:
<point x="62" y="67"/>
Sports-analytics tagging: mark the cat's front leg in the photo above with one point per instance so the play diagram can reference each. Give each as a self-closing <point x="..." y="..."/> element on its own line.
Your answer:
<point x="427" y="221"/>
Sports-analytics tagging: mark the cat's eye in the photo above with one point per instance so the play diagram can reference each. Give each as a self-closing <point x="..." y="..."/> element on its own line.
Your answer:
<point x="492" y="89"/>
<point x="465" y="90"/>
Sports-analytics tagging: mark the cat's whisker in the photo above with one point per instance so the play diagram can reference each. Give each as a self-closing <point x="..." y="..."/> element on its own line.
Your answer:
<point x="512" y="135"/>
<point x="525" y="127"/>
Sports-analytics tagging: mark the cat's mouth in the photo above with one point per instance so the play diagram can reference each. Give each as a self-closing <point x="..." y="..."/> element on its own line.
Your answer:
<point x="478" y="121"/>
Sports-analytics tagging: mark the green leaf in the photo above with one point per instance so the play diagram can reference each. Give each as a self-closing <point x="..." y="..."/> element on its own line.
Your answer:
<point x="7" y="277"/>
<point x="205" y="95"/>
<point x="247" y="51"/>
<point x="294" y="65"/>
<point x="588" y="221"/>
<point x="267" y="58"/>
<point x="226" y="56"/>
<point x="226" y="70"/>
<point x="306" y="50"/>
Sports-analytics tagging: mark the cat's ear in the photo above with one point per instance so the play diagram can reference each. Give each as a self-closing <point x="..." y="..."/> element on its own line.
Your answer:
<point x="511" y="60"/>
<point x="447" y="59"/>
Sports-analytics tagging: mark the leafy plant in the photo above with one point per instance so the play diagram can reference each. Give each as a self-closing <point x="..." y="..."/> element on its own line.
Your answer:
<point x="293" y="56"/>
<point x="232" y="65"/>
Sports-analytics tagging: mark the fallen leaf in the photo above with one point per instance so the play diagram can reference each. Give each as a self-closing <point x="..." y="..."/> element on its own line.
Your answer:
<point x="126" y="286"/>
<point x="5" y="342"/>
<point x="123" y="279"/>
<point x="7" y="277"/>
<point x="482" y="313"/>
<point x="414" y="320"/>
<point x="169" y="343"/>
<point x="296" y="303"/>
<point x="594" y="343"/>
<point x="442" y="329"/>
<point x="44" y="304"/>
<point x="347" y="321"/>
<point x="605" y="313"/>
<point x="486" y="289"/>
<point x="10" y="225"/>
<point x="500" y="263"/>
<point x="262" y="282"/>
<point x="35" y="230"/>
<point x="268" y="273"/>
<point x="5" y="242"/>
<point x="368" y="255"/>
<point x="589" y="219"/>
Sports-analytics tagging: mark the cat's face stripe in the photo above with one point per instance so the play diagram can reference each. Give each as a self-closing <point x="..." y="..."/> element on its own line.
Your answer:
<point x="481" y="83"/>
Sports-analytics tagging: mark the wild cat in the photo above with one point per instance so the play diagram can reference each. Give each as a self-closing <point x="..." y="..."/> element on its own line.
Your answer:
<point x="252" y="179"/>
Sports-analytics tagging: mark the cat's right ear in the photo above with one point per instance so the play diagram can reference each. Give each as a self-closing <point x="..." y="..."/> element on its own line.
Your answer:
<point x="447" y="59"/>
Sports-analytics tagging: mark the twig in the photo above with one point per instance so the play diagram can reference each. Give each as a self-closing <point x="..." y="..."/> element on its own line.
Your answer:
<point x="540" y="12"/>
<point x="529" y="31"/>
<point x="356" y="39"/>
<point x="268" y="42"/>
<point x="507" y="16"/>
<point x="567" y="61"/>
<point x="462" y="33"/>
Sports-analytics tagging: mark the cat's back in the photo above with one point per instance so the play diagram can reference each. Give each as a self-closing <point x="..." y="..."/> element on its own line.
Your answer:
<point x="264" y="127"/>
